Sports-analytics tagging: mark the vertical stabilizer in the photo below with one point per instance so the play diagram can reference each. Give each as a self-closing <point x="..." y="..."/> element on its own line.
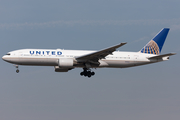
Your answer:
<point x="155" y="45"/>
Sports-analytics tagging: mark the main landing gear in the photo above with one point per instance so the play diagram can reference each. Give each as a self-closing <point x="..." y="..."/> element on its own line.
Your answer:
<point x="17" y="70"/>
<point x="87" y="72"/>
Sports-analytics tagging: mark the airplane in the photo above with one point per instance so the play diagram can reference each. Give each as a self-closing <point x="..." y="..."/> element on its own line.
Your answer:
<point x="65" y="60"/>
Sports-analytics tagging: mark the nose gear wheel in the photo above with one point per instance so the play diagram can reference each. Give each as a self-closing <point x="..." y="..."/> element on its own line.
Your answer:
<point x="17" y="70"/>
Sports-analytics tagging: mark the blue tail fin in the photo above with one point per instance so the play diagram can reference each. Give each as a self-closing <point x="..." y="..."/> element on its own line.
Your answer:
<point x="155" y="45"/>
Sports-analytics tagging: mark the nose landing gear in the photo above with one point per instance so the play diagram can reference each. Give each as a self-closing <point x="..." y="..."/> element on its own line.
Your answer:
<point x="87" y="72"/>
<point x="17" y="70"/>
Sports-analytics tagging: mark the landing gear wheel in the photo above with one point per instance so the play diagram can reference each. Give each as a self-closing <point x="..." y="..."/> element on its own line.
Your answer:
<point x="87" y="73"/>
<point x="92" y="73"/>
<point x="82" y="73"/>
<point x="17" y="71"/>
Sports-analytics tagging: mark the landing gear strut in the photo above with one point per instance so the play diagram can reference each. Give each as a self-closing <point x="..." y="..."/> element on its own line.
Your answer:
<point x="87" y="72"/>
<point x="17" y="71"/>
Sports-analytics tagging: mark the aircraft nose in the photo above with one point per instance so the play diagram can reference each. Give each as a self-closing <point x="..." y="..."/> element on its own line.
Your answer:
<point x="3" y="57"/>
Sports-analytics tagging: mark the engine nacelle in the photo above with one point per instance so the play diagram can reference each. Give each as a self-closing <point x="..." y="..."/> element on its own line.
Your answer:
<point x="65" y="63"/>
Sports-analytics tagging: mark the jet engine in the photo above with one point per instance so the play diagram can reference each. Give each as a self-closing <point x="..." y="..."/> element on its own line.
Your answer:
<point x="65" y="63"/>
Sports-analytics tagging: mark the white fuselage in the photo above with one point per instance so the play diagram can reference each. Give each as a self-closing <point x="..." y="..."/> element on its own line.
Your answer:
<point x="50" y="57"/>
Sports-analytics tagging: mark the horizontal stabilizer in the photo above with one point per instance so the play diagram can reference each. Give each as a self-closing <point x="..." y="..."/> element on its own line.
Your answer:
<point x="161" y="56"/>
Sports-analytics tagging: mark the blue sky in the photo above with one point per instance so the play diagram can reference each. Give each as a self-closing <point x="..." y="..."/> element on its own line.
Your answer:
<point x="38" y="93"/>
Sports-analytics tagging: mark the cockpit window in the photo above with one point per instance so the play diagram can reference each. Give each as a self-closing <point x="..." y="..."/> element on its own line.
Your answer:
<point x="8" y="54"/>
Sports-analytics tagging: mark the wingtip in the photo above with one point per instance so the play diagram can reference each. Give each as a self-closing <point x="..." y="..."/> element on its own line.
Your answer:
<point x="173" y="53"/>
<point x="124" y="43"/>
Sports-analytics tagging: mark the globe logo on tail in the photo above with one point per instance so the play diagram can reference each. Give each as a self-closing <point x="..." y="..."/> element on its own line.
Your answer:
<point x="151" y="48"/>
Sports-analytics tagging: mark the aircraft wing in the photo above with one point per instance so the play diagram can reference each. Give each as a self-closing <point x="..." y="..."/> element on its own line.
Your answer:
<point x="161" y="56"/>
<point x="95" y="56"/>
